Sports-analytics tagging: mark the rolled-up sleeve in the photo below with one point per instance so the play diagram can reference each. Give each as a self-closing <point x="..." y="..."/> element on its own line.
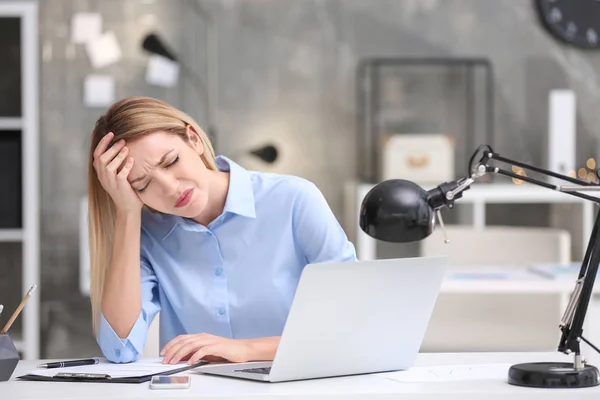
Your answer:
<point x="317" y="230"/>
<point x="130" y="349"/>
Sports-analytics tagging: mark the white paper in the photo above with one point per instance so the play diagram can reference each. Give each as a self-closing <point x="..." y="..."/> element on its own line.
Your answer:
<point x="104" y="50"/>
<point x="85" y="27"/>
<point x="99" y="90"/>
<point x="139" y="368"/>
<point x="449" y="373"/>
<point x="162" y="71"/>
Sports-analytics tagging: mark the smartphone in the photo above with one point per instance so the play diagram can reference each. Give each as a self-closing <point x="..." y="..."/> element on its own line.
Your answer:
<point x="170" y="382"/>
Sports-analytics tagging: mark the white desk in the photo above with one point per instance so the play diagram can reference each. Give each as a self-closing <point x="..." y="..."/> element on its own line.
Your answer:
<point x="354" y="387"/>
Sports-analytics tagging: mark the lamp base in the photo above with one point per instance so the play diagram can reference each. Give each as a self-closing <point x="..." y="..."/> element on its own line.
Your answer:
<point x="559" y="375"/>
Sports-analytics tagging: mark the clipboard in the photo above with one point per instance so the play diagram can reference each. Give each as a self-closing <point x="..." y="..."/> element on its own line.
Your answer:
<point x="91" y="377"/>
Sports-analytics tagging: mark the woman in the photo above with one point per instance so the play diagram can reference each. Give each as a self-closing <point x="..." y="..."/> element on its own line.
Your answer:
<point x="217" y="249"/>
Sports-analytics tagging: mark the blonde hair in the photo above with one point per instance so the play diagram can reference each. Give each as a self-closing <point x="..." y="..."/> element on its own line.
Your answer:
<point x="129" y="118"/>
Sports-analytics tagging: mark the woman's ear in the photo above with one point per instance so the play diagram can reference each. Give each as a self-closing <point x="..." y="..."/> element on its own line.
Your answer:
<point x="194" y="139"/>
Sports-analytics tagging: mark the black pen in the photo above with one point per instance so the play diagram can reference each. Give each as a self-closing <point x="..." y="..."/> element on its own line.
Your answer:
<point x="73" y="363"/>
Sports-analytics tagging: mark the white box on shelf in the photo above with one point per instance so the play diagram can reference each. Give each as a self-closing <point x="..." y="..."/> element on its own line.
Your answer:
<point x="421" y="158"/>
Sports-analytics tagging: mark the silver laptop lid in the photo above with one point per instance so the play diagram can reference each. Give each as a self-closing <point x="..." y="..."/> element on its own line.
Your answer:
<point x="358" y="317"/>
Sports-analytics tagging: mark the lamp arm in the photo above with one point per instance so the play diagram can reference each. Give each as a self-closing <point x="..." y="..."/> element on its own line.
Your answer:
<point x="571" y="323"/>
<point x="482" y="166"/>
<point x="447" y="193"/>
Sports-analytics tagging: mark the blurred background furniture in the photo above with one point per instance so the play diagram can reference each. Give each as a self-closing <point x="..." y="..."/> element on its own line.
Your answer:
<point x="399" y="95"/>
<point x="506" y="246"/>
<point x="509" y="321"/>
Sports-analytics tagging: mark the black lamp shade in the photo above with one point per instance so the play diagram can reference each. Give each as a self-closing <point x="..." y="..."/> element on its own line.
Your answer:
<point x="397" y="211"/>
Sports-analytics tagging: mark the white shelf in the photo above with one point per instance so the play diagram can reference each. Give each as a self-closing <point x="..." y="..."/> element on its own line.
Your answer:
<point x="11" y="235"/>
<point x="11" y="123"/>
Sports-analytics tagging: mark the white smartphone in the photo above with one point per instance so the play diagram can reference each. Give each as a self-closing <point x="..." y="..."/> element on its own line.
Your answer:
<point x="170" y="382"/>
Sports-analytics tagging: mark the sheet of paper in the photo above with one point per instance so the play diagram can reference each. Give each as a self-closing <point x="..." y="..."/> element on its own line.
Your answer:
<point x="162" y="72"/>
<point x="140" y="368"/>
<point x="99" y="90"/>
<point x="104" y="50"/>
<point x="449" y="373"/>
<point x="85" y="27"/>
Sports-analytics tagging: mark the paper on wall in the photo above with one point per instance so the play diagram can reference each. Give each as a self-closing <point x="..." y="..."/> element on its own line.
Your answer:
<point x="99" y="90"/>
<point x="162" y="72"/>
<point x="104" y="50"/>
<point x="85" y="27"/>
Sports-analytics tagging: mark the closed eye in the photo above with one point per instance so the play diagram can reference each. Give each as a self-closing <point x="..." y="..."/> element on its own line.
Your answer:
<point x="175" y="161"/>
<point x="141" y="190"/>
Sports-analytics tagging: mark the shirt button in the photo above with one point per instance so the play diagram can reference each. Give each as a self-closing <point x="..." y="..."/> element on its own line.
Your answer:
<point x="218" y="271"/>
<point x="117" y="352"/>
<point x="221" y="311"/>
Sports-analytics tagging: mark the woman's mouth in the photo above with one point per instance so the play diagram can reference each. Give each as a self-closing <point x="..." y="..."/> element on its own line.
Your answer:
<point x="184" y="199"/>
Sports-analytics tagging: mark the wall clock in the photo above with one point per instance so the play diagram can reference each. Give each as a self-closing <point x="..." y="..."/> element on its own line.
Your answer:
<point x="575" y="22"/>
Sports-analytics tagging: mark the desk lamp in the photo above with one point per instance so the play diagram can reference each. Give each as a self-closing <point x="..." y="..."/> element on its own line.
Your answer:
<point x="401" y="211"/>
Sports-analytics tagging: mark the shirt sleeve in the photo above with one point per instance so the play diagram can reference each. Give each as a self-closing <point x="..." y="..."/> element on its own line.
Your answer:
<point x="317" y="230"/>
<point x="130" y="349"/>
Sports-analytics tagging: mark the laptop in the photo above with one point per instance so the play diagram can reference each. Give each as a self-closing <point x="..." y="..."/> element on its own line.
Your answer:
<point x="351" y="318"/>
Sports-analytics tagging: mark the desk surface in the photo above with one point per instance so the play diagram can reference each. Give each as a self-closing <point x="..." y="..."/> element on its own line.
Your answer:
<point x="361" y="386"/>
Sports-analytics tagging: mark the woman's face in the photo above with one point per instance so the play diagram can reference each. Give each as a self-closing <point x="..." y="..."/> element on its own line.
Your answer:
<point x="168" y="174"/>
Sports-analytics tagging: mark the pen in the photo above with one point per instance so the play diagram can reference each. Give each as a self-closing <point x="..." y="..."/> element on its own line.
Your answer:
<point x="65" y="375"/>
<point x="73" y="363"/>
<point x="18" y="310"/>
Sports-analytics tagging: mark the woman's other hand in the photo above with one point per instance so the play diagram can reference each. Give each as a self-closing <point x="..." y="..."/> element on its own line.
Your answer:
<point x="203" y="346"/>
<point x="113" y="167"/>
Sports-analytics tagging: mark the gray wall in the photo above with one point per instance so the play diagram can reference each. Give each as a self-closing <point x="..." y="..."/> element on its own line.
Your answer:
<point x="286" y="74"/>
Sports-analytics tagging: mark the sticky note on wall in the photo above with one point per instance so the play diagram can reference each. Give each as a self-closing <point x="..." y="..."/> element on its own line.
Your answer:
<point x="99" y="90"/>
<point x="85" y="27"/>
<point x="162" y="72"/>
<point x="104" y="50"/>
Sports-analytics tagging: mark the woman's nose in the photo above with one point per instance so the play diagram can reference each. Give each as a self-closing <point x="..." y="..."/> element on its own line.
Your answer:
<point x="168" y="184"/>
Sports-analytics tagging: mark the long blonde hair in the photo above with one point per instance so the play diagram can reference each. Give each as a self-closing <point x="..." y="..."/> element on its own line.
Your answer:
<point x="127" y="119"/>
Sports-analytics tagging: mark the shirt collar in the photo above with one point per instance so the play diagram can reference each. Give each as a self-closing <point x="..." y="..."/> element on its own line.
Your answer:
<point x="240" y="195"/>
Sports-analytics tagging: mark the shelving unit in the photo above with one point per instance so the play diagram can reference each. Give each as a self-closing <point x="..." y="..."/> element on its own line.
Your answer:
<point x="19" y="206"/>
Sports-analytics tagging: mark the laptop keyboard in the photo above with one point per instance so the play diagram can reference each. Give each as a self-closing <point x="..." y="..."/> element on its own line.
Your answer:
<point x="265" y="370"/>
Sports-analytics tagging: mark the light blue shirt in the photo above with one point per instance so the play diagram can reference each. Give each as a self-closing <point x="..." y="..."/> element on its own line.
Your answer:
<point x="237" y="277"/>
